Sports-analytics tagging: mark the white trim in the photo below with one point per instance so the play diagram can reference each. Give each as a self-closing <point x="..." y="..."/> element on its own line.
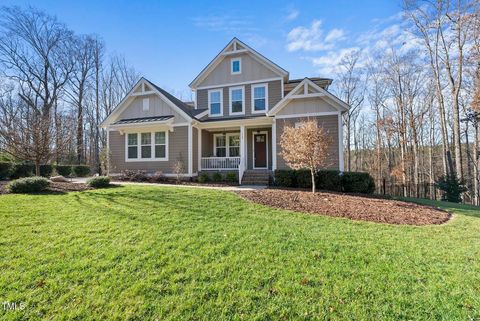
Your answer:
<point x="341" y="163"/>
<point x="326" y="113"/>
<point x="243" y="145"/>
<point x="234" y="52"/>
<point x="230" y="89"/>
<point x="253" y="148"/>
<point x="221" y="102"/>
<point x="190" y="150"/>
<point x="180" y="124"/>
<point x="257" y="81"/>
<point x="256" y="121"/>
<point x="152" y="146"/>
<point x="143" y="93"/>
<point x="227" y="144"/>
<point x="163" y="123"/>
<point x="252" y="90"/>
<point x="307" y="96"/>
<point x="274" y="145"/>
<point x="202" y="114"/>
<point x="239" y="59"/>
<point x="199" y="149"/>
<point x="108" y="151"/>
<point x="282" y="89"/>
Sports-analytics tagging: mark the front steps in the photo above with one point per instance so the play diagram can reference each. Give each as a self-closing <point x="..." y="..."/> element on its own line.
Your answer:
<point x="256" y="177"/>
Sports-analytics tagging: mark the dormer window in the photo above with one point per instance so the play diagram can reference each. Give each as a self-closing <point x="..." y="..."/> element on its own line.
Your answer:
<point x="236" y="66"/>
<point x="215" y="102"/>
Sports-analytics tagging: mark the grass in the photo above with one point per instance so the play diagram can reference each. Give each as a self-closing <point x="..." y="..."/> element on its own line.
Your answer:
<point x="171" y="253"/>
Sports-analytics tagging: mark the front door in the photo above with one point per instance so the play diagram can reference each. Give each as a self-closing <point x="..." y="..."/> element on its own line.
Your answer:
<point x="259" y="150"/>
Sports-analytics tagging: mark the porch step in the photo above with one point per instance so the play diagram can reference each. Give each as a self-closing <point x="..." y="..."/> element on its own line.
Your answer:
<point x="255" y="177"/>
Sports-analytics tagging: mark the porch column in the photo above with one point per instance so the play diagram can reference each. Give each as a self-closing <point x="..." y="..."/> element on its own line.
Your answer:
<point x="199" y="134"/>
<point x="243" y="144"/>
<point x="190" y="150"/>
<point x="274" y="145"/>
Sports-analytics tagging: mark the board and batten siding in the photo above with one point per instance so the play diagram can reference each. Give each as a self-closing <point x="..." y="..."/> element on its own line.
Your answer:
<point x="177" y="150"/>
<point x="306" y="106"/>
<point x="274" y="96"/>
<point x="329" y="123"/>
<point x="251" y="68"/>
<point x="157" y="107"/>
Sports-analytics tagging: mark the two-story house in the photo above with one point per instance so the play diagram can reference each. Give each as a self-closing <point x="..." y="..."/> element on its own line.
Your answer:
<point x="243" y="101"/>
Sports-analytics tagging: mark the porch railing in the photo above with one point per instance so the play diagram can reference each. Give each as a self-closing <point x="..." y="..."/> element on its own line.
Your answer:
<point x="225" y="163"/>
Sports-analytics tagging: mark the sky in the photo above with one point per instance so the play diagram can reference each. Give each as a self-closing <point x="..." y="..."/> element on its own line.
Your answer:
<point x="170" y="42"/>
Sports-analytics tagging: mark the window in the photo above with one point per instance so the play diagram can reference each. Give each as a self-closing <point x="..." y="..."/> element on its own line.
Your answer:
<point x="146" y="104"/>
<point x="160" y="145"/>
<point x="150" y="146"/>
<point x="236" y="66"/>
<point x="215" y="104"/>
<point x="259" y="98"/>
<point x="146" y="145"/>
<point x="236" y="100"/>
<point x="132" y="146"/>
<point x="220" y="146"/>
<point x="227" y="145"/>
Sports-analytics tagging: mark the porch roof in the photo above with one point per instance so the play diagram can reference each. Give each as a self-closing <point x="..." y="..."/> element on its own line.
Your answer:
<point x="142" y="120"/>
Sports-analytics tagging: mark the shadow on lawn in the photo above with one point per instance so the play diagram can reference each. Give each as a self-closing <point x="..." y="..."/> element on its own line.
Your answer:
<point x="457" y="209"/>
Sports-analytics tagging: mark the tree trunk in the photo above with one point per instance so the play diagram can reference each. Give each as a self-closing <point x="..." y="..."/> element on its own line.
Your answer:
<point x="80" y="142"/>
<point x="37" y="168"/>
<point x="476" y="168"/>
<point x="312" y="172"/>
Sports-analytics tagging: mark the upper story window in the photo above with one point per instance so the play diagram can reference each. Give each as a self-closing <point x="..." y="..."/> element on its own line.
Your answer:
<point x="236" y="66"/>
<point x="215" y="102"/>
<point x="237" y="101"/>
<point x="259" y="98"/>
<point x="149" y="146"/>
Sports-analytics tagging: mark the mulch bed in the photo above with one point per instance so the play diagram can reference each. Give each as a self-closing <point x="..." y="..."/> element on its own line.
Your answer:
<point x="349" y="206"/>
<point x="54" y="188"/>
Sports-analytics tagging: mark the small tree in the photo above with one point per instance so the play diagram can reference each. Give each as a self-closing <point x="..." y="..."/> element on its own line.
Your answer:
<point x="305" y="146"/>
<point x="451" y="187"/>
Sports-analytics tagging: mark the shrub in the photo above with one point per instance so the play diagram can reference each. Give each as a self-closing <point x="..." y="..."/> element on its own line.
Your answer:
<point x="80" y="170"/>
<point x="217" y="177"/>
<point x="28" y="185"/>
<point x="99" y="181"/>
<point x="46" y="170"/>
<point x="231" y="178"/>
<point x="134" y="176"/>
<point x="5" y="170"/>
<point x="329" y="180"/>
<point x="157" y="177"/>
<point x="303" y="178"/>
<point x="451" y="187"/>
<point x="64" y="170"/>
<point x="285" y="177"/>
<point x="356" y="182"/>
<point x="22" y="170"/>
<point x="203" y="178"/>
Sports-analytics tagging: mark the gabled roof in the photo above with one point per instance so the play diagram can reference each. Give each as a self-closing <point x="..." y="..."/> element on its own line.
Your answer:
<point x="308" y="89"/>
<point x="236" y="43"/>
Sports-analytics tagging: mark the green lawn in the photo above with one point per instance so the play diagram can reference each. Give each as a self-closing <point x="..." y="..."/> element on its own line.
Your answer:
<point x="142" y="252"/>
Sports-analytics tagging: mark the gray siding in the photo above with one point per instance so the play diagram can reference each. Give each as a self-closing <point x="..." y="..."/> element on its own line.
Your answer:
<point x="157" y="108"/>
<point x="177" y="150"/>
<point x="252" y="70"/>
<point x="307" y="105"/>
<point x="329" y="123"/>
<point x="274" y="96"/>
<point x="195" y="150"/>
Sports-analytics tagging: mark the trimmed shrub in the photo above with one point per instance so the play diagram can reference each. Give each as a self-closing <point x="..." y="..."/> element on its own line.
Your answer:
<point x="329" y="180"/>
<point x="64" y="170"/>
<point x="80" y="170"/>
<point x="22" y="170"/>
<point x="356" y="182"/>
<point x="5" y="170"/>
<point x="203" y="178"/>
<point x="303" y="178"/>
<point x="99" y="181"/>
<point x="285" y="177"/>
<point x="46" y="170"/>
<point x="231" y="178"/>
<point x="216" y="177"/>
<point x="28" y="185"/>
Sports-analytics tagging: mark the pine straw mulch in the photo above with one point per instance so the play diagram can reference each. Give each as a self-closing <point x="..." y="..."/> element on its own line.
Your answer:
<point x="349" y="206"/>
<point x="54" y="188"/>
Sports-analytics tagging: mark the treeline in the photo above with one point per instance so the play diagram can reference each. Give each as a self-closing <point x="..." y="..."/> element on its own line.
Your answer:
<point x="415" y="108"/>
<point x="56" y="86"/>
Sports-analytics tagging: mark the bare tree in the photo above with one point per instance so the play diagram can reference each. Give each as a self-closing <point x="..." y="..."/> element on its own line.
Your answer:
<point x="305" y="147"/>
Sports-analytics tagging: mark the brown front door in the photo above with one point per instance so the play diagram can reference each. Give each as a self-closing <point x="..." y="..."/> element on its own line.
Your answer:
<point x="260" y="151"/>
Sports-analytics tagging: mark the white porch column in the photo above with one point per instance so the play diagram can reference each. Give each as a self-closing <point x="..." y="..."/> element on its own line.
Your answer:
<point x="243" y="144"/>
<point x="274" y="145"/>
<point x="108" y="151"/>
<point x="199" y="134"/>
<point x="190" y="151"/>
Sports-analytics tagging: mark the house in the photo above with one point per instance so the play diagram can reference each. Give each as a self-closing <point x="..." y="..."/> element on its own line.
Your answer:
<point x="243" y="101"/>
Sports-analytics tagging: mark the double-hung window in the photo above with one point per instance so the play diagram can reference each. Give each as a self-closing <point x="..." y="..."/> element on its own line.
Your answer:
<point x="236" y="66"/>
<point x="237" y="101"/>
<point x="215" y="104"/>
<point x="227" y="145"/>
<point x="259" y="98"/>
<point x="149" y="146"/>
<point x="233" y="145"/>
<point x="220" y="146"/>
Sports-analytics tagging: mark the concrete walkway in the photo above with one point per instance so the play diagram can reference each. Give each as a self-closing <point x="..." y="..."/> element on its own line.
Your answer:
<point x="222" y="188"/>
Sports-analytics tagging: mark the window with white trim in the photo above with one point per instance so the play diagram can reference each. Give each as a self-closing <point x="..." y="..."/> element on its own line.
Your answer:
<point x="233" y="145"/>
<point x="227" y="145"/>
<point x="146" y="104"/>
<point x="236" y="66"/>
<point x="160" y="145"/>
<point x="146" y="139"/>
<point x="220" y="146"/>
<point x="259" y="98"/>
<point x="236" y="100"/>
<point x="132" y="143"/>
<point x="215" y="102"/>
